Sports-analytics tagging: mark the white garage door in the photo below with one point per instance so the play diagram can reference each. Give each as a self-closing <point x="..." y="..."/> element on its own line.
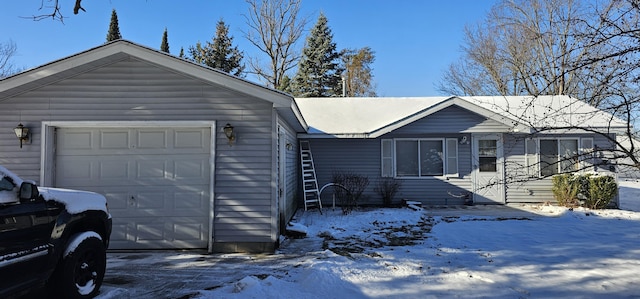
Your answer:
<point x="156" y="181"/>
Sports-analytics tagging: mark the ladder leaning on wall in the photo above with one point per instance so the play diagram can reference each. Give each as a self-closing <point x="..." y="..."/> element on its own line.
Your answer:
<point x="309" y="179"/>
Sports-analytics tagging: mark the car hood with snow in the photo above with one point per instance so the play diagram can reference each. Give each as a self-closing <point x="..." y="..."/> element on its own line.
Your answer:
<point x="75" y="201"/>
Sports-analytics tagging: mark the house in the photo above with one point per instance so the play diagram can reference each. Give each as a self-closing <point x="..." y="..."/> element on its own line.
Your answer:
<point x="191" y="157"/>
<point x="457" y="150"/>
<point x="147" y="130"/>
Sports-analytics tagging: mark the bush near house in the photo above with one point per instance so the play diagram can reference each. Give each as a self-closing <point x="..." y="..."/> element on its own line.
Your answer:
<point x="354" y="184"/>
<point x="387" y="188"/>
<point x="594" y="192"/>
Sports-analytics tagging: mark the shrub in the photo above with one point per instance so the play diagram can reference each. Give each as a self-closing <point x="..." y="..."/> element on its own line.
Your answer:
<point x="387" y="188"/>
<point x="602" y="190"/>
<point x="594" y="192"/>
<point x="565" y="190"/>
<point x="354" y="185"/>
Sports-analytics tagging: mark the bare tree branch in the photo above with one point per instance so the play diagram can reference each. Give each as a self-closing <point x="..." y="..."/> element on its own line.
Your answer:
<point x="274" y="28"/>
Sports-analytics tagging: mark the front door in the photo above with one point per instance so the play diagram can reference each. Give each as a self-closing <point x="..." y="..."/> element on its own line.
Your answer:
<point x="488" y="169"/>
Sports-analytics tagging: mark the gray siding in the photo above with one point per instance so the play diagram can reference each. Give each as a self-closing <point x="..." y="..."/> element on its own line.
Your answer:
<point x="291" y="173"/>
<point x="452" y="119"/>
<point x="521" y="188"/>
<point x="132" y="90"/>
<point x="362" y="156"/>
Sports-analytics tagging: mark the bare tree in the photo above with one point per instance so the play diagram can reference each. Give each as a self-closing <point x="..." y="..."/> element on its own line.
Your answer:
<point x="274" y="28"/>
<point x="7" y="51"/>
<point x="526" y="48"/>
<point x="587" y="50"/>
<point x="55" y="10"/>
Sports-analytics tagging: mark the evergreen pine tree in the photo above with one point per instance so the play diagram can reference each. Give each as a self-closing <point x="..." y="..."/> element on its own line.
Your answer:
<point x="114" y="29"/>
<point x="181" y="55"/>
<point x="220" y="53"/>
<point x="164" y="45"/>
<point x="319" y="69"/>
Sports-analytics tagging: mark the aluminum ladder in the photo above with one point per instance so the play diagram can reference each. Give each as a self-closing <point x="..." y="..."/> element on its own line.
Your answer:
<point x="309" y="179"/>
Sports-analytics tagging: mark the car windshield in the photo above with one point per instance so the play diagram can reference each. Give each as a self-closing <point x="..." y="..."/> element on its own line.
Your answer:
<point x="6" y="184"/>
<point x="8" y="194"/>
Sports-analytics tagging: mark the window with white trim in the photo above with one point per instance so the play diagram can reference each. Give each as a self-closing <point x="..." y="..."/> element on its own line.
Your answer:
<point x="425" y="157"/>
<point x="549" y="156"/>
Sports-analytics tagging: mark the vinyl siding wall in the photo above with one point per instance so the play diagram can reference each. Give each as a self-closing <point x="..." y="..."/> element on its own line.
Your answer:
<point x="453" y="119"/>
<point x="132" y="90"/>
<point x="292" y="174"/>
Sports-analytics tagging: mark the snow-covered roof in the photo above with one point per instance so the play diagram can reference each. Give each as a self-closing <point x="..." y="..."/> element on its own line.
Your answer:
<point x="373" y="117"/>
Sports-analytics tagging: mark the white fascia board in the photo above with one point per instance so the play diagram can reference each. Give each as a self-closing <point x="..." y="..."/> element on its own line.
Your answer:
<point x="299" y="116"/>
<point x="334" y="136"/>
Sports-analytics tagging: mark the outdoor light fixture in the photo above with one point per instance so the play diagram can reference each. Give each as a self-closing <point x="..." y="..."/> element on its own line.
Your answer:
<point x="22" y="133"/>
<point x="289" y="146"/>
<point x="228" y="131"/>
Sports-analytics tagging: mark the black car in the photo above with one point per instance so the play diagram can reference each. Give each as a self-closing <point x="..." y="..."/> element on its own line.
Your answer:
<point x="52" y="238"/>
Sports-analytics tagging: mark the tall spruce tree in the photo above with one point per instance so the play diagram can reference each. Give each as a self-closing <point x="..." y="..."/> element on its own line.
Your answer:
<point x="114" y="29"/>
<point x="164" y="45"/>
<point x="319" y="69"/>
<point x="220" y="52"/>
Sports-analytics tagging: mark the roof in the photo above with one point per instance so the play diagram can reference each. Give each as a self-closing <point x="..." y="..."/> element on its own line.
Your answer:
<point x="373" y="117"/>
<point x="123" y="49"/>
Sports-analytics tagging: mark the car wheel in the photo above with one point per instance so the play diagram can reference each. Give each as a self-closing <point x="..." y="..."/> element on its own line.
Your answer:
<point x="82" y="268"/>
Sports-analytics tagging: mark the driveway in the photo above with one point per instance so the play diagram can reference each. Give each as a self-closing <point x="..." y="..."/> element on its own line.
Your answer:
<point x="179" y="274"/>
<point x="176" y="274"/>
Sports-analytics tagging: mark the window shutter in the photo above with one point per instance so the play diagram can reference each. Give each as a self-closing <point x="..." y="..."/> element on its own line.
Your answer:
<point x="531" y="157"/>
<point x="387" y="157"/>
<point x="452" y="157"/>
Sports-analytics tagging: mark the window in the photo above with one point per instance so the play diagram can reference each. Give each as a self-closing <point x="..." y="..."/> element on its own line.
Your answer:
<point x="487" y="155"/>
<point x="549" y="156"/>
<point x="419" y="157"/>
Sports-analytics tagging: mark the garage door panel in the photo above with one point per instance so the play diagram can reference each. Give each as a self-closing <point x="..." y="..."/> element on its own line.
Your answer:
<point x="183" y="230"/>
<point x="78" y="140"/>
<point x="152" y="139"/>
<point x="75" y="170"/>
<point x="151" y="169"/>
<point x="193" y="139"/>
<point x="156" y="181"/>
<point x="114" y="140"/>
<point x="150" y="231"/>
<point x="189" y="169"/>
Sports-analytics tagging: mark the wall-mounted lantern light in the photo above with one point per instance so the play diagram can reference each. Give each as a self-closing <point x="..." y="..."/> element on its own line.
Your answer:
<point x="289" y="146"/>
<point x="22" y="133"/>
<point x="228" y="131"/>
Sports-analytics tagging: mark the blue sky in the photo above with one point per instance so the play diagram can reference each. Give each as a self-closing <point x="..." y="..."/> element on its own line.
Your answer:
<point x="414" y="40"/>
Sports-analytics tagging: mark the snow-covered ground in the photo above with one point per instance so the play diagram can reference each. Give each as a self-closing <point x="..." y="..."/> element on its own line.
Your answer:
<point x="502" y="252"/>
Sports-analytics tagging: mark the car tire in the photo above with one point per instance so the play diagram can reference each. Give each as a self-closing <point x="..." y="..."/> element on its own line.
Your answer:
<point x="81" y="271"/>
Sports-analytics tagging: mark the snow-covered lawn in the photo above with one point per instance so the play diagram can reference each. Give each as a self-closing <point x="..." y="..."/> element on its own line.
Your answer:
<point x="540" y="252"/>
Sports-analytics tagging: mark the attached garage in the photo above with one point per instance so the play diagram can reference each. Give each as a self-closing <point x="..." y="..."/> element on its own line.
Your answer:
<point x="156" y="180"/>
<point x="145" y="129"/>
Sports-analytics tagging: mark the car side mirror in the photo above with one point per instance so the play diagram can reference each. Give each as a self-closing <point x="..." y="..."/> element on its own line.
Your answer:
<point x="28" y="191"/>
